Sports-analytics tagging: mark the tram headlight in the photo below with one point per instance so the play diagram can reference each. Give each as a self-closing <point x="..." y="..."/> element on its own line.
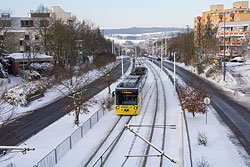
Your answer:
<point x="135" y="108"/>
<point x="117" y="107"/>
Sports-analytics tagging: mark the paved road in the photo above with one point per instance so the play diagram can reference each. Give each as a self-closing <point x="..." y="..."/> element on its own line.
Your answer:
<point x="27" y="126"/>
<point x="236" y="116"/>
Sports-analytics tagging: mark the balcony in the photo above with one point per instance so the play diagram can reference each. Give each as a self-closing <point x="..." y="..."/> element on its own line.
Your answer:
<point x="232" y="43"/>
<point x="241" y="34"/>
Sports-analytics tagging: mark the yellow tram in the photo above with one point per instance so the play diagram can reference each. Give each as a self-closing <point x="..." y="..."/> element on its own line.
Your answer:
<point x="129" y="93"/>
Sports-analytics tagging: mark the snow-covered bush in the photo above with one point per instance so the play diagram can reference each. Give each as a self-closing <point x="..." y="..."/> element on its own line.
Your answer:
<point x="42" y="68"/>
<point x="3" y="73"/>
<point x="210" y="72"/>
<point x="202" y="162"/>
<point x="20" y="95"/>
<point x="34" y="75"/>
<point x="202" y="139"/>
<point x="109" y="102"/>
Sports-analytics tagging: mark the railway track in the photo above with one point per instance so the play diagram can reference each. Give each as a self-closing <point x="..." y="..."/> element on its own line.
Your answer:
<point x="92" y="160"/>
<point x="102" y="157"/>
<point x="157" y="118"/>
<point x="105" y="156"/>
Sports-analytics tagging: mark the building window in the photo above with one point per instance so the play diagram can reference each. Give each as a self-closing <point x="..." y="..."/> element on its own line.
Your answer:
<point x="27" y="37"/>
<point x="5" y="23"/>
<point x="27" y="23"/>
<point x="36" y="37"/>
<point x="21" y="43"/>
<point x="44" y="23"/>
<point x="28" y="48"/>
<point x="236" y="18"/>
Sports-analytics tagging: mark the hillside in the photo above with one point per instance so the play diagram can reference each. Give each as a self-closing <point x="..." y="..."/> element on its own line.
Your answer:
<point x="135" y="30"/>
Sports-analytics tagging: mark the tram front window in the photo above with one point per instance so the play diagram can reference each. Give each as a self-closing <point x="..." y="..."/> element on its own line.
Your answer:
<point x="126" y="98"/>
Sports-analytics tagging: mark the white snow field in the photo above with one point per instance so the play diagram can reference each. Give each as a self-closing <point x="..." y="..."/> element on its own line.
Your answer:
<point x="222" y="148"/>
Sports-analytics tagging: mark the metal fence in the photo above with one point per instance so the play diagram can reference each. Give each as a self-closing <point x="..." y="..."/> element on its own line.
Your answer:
<point x="52" y="158"/>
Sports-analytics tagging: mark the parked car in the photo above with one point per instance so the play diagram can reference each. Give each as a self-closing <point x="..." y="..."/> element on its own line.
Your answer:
<point x="238" y="59"/>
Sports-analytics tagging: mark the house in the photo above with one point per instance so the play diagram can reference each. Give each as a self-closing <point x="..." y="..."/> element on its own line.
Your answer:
<point x="23" y="60"/>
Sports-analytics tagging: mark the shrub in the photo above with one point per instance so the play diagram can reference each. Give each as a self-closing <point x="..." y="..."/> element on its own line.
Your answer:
<point x="202" y="162"/>
<point x="202" y="139"/>
<point x="191" y="98"/>
<point x="109" y="103"/>
<point x="210" y="72"/>
<point x="21" y="94"/>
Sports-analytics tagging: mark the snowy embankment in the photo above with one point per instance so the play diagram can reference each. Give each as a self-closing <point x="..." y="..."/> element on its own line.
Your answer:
<point x="222" y="149"/>
<point x="237" y="79"/>
<point x="56" y="132"/>
<point x="18" y="93"/>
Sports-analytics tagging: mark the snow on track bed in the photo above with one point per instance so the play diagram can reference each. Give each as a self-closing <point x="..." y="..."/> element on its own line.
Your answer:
<point x="158" y="134"/>
<point x="108" y="143"/>
<point x="147" y="116"/>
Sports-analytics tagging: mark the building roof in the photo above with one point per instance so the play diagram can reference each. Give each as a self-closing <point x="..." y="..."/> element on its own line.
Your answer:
<point x="25" y="56"/>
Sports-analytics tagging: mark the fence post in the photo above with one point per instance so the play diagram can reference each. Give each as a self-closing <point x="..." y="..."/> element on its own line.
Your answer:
<point x="81" y="131"/>
<point x="70" y="142"/>
<point x="90" y="122"/>
<point x="97" y="115"/>
<point x="55" y="156"/>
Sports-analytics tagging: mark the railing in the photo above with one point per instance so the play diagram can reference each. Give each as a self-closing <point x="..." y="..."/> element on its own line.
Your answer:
<point x="52" y="158"/>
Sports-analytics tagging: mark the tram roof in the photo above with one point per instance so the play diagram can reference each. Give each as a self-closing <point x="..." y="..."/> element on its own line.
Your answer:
<point x="132" y="81"/>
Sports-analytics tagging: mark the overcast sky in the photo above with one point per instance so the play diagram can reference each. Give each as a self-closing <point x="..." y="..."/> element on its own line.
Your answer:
<point x="124" y="13"/>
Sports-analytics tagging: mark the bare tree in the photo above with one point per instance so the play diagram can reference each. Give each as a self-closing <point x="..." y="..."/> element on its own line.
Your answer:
<point x="207" y="48"/>
<point x="191" y="98"/>
<point x="42" y="22"/>
<point x="106" y="63"/>
<point x="72" y="81"/>
<point x="5" y="25"/>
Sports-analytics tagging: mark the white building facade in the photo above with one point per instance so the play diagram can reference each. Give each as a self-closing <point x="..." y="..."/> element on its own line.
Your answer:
<point x="236" y="38"/>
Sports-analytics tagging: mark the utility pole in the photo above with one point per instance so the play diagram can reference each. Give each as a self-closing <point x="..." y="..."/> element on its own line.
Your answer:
<point x="156" y="48"/>
<point x="161" y="54"/>
<point x="166" y="47"/>
<point x="113" y="46"/>
<point x="122" y="69"/>
<point x="180" y="162"/>
<point x="224" y="74"/>
<point x="153" y="51"/>
<point x="174" y="73"/>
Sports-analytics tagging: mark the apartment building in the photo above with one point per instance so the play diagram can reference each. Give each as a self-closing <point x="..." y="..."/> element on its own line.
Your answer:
<point x="236" y="38"/>
<point x="22" y="30"/>
<point x="218" y="14"/>
<point x="56" y="12"/>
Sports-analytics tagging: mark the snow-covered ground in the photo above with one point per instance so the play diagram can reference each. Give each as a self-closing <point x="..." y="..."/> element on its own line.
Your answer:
<point x="237" y="80"/>
<point x="222" y="148"/>
<point x="50" y="95"/>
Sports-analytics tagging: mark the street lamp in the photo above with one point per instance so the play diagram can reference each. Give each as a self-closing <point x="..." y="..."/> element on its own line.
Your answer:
<point x="224" y="72"/>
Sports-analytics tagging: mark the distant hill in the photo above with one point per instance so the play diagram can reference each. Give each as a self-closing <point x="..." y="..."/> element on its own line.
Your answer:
<point x="135" y="30"/>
